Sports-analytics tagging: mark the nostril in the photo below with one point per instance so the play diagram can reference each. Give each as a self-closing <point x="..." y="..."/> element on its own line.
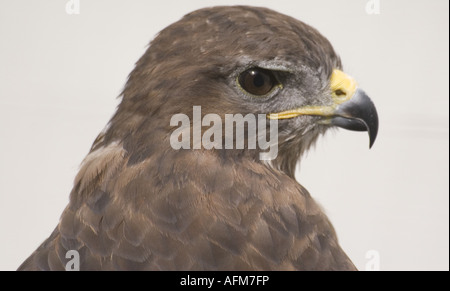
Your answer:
<point x="339" y="92"/>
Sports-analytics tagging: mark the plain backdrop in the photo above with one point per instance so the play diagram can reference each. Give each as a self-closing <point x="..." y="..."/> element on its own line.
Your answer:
<point x="60" y="75"/>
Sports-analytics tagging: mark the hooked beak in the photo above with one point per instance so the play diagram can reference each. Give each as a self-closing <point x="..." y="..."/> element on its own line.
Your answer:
<point x="358" y="114"/>
<point x="352" y="109"/>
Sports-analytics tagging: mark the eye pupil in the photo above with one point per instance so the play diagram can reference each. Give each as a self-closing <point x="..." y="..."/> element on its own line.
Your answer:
<point x="257" y="81"/>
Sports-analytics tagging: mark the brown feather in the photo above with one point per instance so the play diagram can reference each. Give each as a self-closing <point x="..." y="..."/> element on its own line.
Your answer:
<point x="137" y="204"/>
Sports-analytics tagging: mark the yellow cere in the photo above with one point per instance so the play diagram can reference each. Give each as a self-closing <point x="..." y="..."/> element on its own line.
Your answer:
<point x="343" y="88"/>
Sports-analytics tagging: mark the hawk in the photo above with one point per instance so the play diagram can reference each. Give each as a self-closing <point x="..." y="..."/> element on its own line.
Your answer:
<point x="139" y="204"/>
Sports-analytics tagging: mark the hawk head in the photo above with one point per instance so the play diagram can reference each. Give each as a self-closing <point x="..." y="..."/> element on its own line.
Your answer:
<point x="138" y="203"/>
<point x="240" y="60"/>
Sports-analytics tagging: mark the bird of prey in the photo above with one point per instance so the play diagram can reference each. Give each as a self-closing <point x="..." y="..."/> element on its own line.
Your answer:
<point x="139" y="204"/>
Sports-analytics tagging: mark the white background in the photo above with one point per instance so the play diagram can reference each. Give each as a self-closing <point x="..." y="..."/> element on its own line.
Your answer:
<point x="60" y="75"/>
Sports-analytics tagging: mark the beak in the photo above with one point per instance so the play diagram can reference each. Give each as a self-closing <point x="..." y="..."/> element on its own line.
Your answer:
<point x="351" y="109"/>
<point x="358" y="114"/>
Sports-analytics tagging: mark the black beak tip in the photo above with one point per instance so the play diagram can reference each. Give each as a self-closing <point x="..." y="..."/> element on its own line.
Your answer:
<point x="372" y="137"/>
<point x="372" y="127"/>
<point x="372" y="140"/>
<point x="358" y="114"/>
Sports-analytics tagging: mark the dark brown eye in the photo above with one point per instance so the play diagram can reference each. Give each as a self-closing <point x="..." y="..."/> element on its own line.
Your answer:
<point x="257" y="81"/>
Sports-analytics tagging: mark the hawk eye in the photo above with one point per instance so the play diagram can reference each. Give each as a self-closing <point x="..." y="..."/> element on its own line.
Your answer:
<point x="257" y="81"/>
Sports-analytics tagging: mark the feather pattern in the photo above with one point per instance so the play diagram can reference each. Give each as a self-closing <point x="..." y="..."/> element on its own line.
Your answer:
<point x="137" y="204"/>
